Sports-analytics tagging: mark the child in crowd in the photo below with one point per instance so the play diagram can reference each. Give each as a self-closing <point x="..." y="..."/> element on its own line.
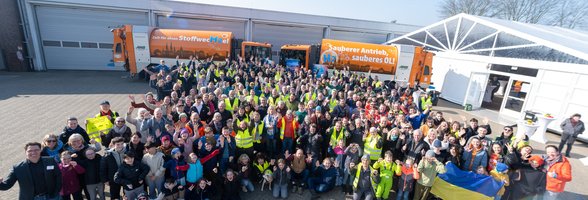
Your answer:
<point x="177" y="168"/>
<point x="281" y="178"/>
<point x="230" y="188"/>
<point x="409" y="175"/>
<point x="339" y="151"/>
<point x="200" y="191"/>
<point x="496" y="156"/>
<point x="499" y="173"/>
<point x="245" y="175"/>
<point x="352" y="154"/>
<point x="171" y="190"/>
<point x="388" y="168"/>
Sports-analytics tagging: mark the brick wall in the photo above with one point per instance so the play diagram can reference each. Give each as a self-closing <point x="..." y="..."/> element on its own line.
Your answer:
<point x="11" y="35"/>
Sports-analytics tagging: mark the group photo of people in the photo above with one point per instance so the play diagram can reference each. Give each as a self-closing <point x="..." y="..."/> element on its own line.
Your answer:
<point x="218" y="130"/>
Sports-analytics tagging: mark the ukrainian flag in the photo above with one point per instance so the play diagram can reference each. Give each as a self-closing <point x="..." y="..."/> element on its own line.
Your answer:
<point x="459" y="184"/>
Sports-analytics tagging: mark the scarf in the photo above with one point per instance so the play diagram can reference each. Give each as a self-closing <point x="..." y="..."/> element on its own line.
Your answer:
<point x="474" y="153"/>
<point x="551" y="161"/>
<point x="120" y="130"/>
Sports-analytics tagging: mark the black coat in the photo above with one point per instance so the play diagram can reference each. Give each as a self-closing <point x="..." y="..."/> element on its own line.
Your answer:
<point x="108" y="167"/>
<point x="230" y="190"/>
<point x="21" y="173"/>
<point x="131" y="175"/>
<point x="64" y="136"/>
<point x="92" y="175"/>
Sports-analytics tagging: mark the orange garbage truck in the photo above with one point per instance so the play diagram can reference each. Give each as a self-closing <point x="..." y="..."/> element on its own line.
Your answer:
<point x="410" y="67"/>
<point x="135" y="47"/>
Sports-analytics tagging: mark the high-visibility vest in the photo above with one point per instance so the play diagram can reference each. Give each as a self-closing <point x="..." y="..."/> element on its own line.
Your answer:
<point x="273" y="100"/>
<point x="284" y="128"/>
<point x="263" y="167"/>
<point x="229" y="106"/>
<point x="378" y="84"/>
<point x="308" y="97"/>
<point x="257" y="132"/>
<point x="425" y="102"/>
<point x="332" y="104"/>
<point x="357" y="174"/>
<point x="278" y="76"/>
<point x="245" y="119"/>
<point x="363" y="80"/>
<point x="387" y="169"/>
<point x="185" y="68"/>
<point x="371" y="147"/>
<point x="335" y="138"/>
<point x="255" y="99"/>
<point x="244" y="139"/>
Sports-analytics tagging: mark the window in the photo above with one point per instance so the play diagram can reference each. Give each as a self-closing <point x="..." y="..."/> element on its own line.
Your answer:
<point x="89" y="45"/>
<point x="51" y="43"/>
<point x="427" y="70"/>
<point x="118" y="48"/>
<point x="70" y="44"/>
<point x="105" y="45"/>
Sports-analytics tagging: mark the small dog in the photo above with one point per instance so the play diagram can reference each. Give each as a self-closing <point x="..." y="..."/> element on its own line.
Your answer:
<point x="267" y="178"/>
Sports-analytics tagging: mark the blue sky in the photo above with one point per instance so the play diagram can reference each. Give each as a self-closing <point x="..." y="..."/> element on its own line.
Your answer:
<point x="416" y="12"/>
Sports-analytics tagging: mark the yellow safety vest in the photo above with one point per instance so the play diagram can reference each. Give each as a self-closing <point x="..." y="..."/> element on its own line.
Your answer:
<point x="378" y="84"/>
<point x="308" y="97"/>
<point x="371" y="147"/>
<point x="284" y="128"/>
<point x="387" y="170"/>
<point x="263" y="167"/>
<point x="356" y="179"/>
<point x="278" y="76"/>
<point x="273" y="101"/>
<point x="229" y="106"/>
<point x="255" y="99"/>
<point x="243" y="139"/>
<point x="335" y="138"/>
<point x="425" y="102"/>
<point x="332" y="104"/>
<point x="246" y="119"/>
<point x="257" y="132"/>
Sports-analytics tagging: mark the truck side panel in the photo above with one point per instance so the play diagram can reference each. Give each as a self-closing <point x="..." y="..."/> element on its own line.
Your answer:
<point x="359" y="56"/>
<point x="169" y="43"/>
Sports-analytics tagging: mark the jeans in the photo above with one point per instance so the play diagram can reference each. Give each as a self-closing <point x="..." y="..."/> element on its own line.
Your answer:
<point x="287" y="145"/>
<point x="271" y="147"/>
<point x="317" y="185"/>
<point x="280" y="191"/>
<point x="157" y="183"/>
<point x="132" y="194"/>
<point x="299" y="179"/>
<point x="96" y="189"/>
<point x="402" y="195"/>
<point x="549" y="195"/>
<point x="366" y="194"/>
<point x="569" y="140"/>
<point x="421" y="192"/>
<point x="114" y="190"/>
<point x="47" y="197"/>
<point x="248" y="185"/>
<point x="223" y="164"/>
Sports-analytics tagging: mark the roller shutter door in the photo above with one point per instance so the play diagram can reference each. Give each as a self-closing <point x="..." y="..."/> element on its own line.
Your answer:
<point x="356" y="36"/>
<point x="236" y="27"/>
<point x="279" y="35"/>
<point x="79" y="38"/>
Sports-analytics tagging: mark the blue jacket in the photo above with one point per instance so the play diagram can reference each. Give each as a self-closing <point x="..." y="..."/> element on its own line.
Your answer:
<point x="194" y="172"/>
<point x="481" y="158"/>
<point x="327" y="176"/>
<point x="173" y="165"/>
<point x="416" y="121"/>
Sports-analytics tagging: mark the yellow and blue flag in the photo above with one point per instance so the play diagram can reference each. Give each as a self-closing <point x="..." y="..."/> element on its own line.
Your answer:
<point x="459" y="184"/>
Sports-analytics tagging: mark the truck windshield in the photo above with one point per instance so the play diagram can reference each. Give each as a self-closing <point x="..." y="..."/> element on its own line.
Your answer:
<point x="291" y="55"/>
<point x="258" y="51"/>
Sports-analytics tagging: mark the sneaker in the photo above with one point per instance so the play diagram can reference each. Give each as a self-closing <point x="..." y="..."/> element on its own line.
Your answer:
<point x="244" y="188"/>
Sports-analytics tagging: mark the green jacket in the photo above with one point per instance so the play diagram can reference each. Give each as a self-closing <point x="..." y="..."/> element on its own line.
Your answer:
<point x="429" y="171"/>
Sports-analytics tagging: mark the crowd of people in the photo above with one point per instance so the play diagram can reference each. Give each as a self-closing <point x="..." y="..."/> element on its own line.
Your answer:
<point x="215" y="130"/>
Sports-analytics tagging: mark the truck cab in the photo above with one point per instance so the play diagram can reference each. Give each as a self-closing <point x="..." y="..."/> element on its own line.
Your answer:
<point x="257" y="49"/>
<point x="303" y="55"/>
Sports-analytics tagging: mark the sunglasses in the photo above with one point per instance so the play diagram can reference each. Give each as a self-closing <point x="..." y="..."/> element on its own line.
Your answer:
<point x="51" y="141"/>
<point x="120" y="121"/>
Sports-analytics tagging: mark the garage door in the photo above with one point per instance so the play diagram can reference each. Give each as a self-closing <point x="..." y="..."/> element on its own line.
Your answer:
<point x="279" y="35"/>
<point x="236" y="27"/>
<point x="80" y="39"/>
<point x="356" y="36"/>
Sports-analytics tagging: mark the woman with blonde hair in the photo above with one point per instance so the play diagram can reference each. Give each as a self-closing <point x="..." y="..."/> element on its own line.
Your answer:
<point x="52" y="146"/>
<point x="244" y="169"/>
<point x="77" y="146"/>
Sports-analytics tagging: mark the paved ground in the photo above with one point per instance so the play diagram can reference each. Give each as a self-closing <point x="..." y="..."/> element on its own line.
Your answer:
<point x="34" y="104"/>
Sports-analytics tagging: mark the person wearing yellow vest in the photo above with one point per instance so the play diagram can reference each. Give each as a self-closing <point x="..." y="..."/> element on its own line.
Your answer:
<point x="337" y="133"/>
<point x="273" y="100"/>
<point x="252" y="98"/>
<point x="426" y="100"/>
<point x="372" y="144"/>
<point x="243" y="137"/>
<point x="258" y="128"/>
<point x="309" y="96"/>
<point x="105" y="111"/>
<point x="231" y="102"/>
<point x="365" y="180"/>
<point x="288" y="126"/>
<point x="242" y="115"/>
<point x="261" y="167"/>
<point x="388" y="169"/>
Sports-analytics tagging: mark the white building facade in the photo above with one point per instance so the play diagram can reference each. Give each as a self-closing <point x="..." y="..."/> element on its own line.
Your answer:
<point x="507" y="67"/>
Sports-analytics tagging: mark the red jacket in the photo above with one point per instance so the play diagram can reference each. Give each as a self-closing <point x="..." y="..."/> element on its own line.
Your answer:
<point x="69" y="177"/>
<point x="564" y="174"/>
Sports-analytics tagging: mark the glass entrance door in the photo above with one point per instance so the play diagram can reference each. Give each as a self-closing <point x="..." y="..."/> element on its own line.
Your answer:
<point x="516" y="97"/>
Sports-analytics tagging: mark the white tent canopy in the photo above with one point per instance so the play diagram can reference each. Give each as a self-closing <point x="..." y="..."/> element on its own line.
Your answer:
<point x="467" y="34"/>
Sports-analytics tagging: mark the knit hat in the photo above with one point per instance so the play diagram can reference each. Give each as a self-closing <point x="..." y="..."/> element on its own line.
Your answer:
<point x="501" y="167"/>
<point x="537" y="159"/>
<point x="318" y="108"/>
<point x="175" y="151"/>
<point x="164" y="138"/>
<point x="184" y="130"/>
<point x="437" y="144"/>
<point x="430" y="153"/>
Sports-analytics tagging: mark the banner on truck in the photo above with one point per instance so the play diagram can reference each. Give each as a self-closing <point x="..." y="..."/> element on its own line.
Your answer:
<point x="97" y="124"/>
<point x="359" y="56"/>
<point x="169" y="43"/>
